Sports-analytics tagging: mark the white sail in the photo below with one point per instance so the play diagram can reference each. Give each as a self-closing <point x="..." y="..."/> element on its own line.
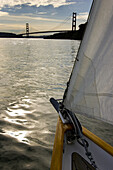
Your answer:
<point x="90" y="88"/>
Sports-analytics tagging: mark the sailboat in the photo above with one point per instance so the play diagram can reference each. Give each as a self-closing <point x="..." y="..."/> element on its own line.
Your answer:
<point x="89" y="93"/>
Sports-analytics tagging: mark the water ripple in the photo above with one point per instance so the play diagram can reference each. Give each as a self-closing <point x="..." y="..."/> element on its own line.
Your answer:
<point x="31" y="71"/>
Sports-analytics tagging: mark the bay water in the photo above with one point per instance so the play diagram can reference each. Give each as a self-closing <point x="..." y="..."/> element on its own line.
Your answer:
<point x="31" y="72"/>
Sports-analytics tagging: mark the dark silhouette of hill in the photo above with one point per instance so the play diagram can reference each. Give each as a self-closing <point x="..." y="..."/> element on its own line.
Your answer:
<point x="8" y="35"/>
<point x="74" y="35"/>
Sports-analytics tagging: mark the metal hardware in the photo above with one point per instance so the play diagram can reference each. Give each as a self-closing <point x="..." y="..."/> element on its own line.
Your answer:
<point x="58" y="108"/>
<point x="70" y="137"/>
<point x="69" y="117"/>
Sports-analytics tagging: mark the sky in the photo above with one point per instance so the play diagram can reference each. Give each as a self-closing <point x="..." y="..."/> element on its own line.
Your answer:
<point x="41" y="14"/>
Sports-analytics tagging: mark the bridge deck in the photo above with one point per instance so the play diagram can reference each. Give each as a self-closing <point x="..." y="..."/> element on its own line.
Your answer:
<point x="39" y="32"/>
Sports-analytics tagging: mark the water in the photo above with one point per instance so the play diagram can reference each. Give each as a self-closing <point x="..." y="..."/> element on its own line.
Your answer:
<point x="32" y="71"/>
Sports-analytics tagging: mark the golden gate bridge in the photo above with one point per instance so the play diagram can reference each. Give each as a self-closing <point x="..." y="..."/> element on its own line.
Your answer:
<point x="27" y="33"/>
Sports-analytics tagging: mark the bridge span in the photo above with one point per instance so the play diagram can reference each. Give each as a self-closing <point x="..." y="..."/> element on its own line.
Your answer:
<point x="27" y="33"/>
<point x="39" y="32"/>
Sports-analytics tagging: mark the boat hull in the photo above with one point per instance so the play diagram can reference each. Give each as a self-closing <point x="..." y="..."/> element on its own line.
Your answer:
<point x="72" y="155"/>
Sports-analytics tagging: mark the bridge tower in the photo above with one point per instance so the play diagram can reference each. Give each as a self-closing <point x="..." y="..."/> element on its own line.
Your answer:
<point x="74" y="21"/>
<point x="27" y="29"/>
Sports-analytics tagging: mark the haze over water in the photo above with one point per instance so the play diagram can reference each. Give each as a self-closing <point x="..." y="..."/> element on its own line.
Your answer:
<point x="31" y="72"/>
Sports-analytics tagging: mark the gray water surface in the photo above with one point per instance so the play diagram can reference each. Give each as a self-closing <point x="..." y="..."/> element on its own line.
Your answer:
<point x="31" y="71"/>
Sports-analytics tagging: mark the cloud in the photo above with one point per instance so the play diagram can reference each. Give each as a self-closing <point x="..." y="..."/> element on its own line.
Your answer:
<point x="83" y="16"/>
<point x="3" y="13"/>
<point x="42" y="13"/>
<point x="28" y="18"/>
<point x="55" y="3"/>
<point x="16" y="28"/>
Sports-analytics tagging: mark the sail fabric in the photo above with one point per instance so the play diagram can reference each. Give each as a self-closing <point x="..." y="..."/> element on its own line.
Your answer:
<point x="90" y="90"/>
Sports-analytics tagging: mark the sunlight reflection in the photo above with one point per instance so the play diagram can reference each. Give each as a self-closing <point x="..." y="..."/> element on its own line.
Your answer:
<point x="20" y="136"/>
<point x="26" y="99"/>
<point x="45" y="131"/>
<point x="17" y="112"/>
<point x="16" y="106"/>
<point x="16" y="121"/>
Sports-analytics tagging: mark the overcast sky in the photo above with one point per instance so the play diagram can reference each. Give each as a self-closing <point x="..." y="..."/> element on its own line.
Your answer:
<point x="41" y="14"/>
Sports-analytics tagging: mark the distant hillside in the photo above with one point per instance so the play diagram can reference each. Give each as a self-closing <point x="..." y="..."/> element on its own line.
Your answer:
<point x="74" y="35"/>
<point x="8" y="35"/>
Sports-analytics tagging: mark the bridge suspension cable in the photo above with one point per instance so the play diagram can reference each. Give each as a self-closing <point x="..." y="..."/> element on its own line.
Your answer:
<point x="62" y="23"/>
<point x="54" y="29"/>
<point x="33" y="29"/>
